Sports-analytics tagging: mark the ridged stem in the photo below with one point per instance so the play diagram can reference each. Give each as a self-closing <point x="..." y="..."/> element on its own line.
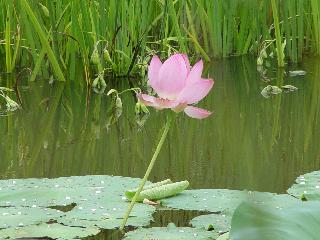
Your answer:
<point x="146" y="175"/>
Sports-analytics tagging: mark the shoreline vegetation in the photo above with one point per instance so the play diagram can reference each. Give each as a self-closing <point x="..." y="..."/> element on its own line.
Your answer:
<point x="118" y="37"/>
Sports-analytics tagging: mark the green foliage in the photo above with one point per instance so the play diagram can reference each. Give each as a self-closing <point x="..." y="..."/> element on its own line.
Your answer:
<point x="218" y="222"/>
<point x="223" y="200"/>
<point x="43" y="38"/>
<point x="52" y="231"/>
<point x="170" y="232"/>
<point x="307" y="186"/>
<point x="270" y="90"/>
<point x="299" y="221"/>
<point x="6" y="102"/>
<point x="159" y="190"/>
<point x="88" y="202"/>
<point x="117" y="37"/>
<point x="12" y="217"/>
<point x="297" y="73"/>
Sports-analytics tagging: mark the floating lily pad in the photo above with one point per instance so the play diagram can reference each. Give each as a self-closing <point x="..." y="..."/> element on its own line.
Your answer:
<point x="97" y="201"/>
<point x="224" y="200"/>
<point x="170" y="232"/>
<point x="218" y="222"/>
<point x="211" y="200"/>
<point x="62" y="191"/>
<point x="41" y="196"/>
<point x="299" y="221"/>
<point x="107" y="213"/>
<point x="306" y="186"/>
<point x="225" y="236"/>
<point x="11" y="217"/>
<point x="55" y="231"/>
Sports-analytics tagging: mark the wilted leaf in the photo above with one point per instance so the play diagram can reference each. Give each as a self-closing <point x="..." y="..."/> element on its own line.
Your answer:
<point x="297" y="73"/>
<point x="118" y="107"/>
<point x="99" y="85"/>
<point x="270" y="90"/>
<point x="159" y="191"/>
<point x="112" y="91"/>
<point x="289" y="88"/>
<point x="149" y="186"/>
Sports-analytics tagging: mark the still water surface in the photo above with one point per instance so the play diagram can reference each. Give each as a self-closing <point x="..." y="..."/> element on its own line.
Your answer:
<point x="249" y="143"/>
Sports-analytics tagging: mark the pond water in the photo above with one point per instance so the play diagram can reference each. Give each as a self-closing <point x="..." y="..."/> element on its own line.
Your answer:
<point x="250" y="142"/>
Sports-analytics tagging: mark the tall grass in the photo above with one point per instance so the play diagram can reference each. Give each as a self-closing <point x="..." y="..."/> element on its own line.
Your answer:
<point x="279" y="44"/>
<point x="117" y="37"/>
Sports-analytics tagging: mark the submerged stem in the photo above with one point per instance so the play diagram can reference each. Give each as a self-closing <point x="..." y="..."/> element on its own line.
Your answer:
<point x="146" y="175"/>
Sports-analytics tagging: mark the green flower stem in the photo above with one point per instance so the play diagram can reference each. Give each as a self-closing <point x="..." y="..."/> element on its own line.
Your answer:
<point x="146" y="175"/>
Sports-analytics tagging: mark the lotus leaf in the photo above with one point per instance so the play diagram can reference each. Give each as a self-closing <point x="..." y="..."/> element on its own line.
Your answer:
<point x="306" y="186"/>
<point x="296" y="222"/>
<point x="170" y="232"/>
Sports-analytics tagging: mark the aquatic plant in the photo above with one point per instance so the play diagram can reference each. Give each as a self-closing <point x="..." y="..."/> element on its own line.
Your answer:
<point x="10" y="104"/>
<point x="82" y="206"/>
<point x="177" y="86"/>
<point x="64" y="35"/>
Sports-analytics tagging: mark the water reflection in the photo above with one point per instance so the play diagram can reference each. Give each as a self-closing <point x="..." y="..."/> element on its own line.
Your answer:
<point x="250" y="142"/>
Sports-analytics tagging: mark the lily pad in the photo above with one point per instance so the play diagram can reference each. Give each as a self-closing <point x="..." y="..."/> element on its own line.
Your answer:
<point x="107" y="213"/>
<point x="218" y="222"/>
<point x="224" y="200"/>
<point x="55" y="231"/>
<point x="97" y="201"/>
<point x="62" y="191"/>
<point x="170" y="232"/>
<point x="299" y="221"/>
<point x="225" y="236"/>
<point x="306" y="186"/>
<point x="211" y="200"/>
<point x="11" y="217"/>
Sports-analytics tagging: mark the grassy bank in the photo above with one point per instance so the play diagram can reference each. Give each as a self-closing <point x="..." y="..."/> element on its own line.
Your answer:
<point x="117" y="37"/>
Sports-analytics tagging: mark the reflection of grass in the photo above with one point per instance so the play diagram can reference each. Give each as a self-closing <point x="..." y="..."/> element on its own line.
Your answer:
<point x="280" y="54"/>
<point x="64" y="35"/>
<point x="313" y="107"/>
<point x="249" y="142"/>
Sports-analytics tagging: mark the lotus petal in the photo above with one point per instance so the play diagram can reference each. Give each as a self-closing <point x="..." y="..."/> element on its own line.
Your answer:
<point x="194" y="92"/>
<point x="153" y="71"/>
<point x="158" y="103"/>
<point x="195" y="73"/>
<point x="195" y="112"/>
<point x="172" y="77"/>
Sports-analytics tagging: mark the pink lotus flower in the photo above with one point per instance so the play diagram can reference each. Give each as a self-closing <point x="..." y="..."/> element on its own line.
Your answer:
<point x="177" y="85"/>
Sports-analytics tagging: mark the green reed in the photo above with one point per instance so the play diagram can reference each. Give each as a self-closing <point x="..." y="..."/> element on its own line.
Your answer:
<point x="59" y="37"/>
